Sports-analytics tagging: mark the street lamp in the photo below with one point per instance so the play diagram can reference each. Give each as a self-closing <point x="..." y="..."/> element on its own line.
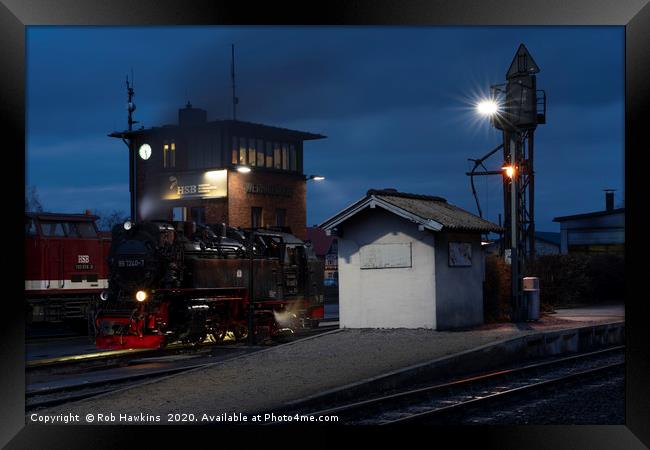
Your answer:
<point x="316" y="177"/>
<point x="509" y="170"/>
<point x="488" y="107"/>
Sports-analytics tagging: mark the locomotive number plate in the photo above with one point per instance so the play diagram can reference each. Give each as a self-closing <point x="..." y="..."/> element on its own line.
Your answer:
<point x="130" y="263"/>
<point x="84" y="266"/>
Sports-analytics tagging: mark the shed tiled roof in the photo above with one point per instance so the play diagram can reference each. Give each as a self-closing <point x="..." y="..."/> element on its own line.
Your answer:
<point x="434" y="213"/>
<point x="437" y="209"/>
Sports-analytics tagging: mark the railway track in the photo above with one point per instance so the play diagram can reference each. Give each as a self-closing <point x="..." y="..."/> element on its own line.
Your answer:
<point x="113" y="358"/>
<point x="61" y="393"/>
<point x="54" y="396"/>
<point x="445" y="403"/>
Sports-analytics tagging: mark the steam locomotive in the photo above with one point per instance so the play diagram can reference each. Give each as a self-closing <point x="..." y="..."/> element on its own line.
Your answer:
<point x="182" y="282"/>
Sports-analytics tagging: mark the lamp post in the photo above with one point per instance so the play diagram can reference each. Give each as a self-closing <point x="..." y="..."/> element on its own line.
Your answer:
<point x="516" y="108"/>
<point x="251" y="276"/>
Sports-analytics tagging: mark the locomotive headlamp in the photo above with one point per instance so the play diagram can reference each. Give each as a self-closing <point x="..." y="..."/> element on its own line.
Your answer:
<point x="141" y="296"/>
<point x="128" y="225"/>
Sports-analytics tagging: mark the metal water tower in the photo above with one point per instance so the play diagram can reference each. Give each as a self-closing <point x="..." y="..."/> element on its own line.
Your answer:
<point x="516" y="108"/>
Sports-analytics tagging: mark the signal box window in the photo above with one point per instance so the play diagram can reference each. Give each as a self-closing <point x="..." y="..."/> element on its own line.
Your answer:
<point x="256" y="217"/>
<point x="235" y="150"/>
<point x="293" y="163"/>
<point x="277" y="156"/>
<point x="242" y="151"/>
<point x="169" y="155"/>
<point x="260" y="153"/>
<point x="252" y="152"/>
<point x="280" y="217"/>
<point x="269" y="155"/>
<point x="285" y="157"/>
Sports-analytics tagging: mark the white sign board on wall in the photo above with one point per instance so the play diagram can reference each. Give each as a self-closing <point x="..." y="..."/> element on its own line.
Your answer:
<point x="385" y="256"/>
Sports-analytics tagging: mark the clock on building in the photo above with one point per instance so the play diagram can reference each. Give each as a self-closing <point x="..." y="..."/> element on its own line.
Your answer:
<point x="145" y="151"/>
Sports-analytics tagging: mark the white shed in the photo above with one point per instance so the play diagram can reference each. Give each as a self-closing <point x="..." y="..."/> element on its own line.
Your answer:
<point x="409" y="261"/>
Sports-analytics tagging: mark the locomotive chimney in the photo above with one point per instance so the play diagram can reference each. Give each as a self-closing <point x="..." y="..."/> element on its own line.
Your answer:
<point x="609" y="199"/>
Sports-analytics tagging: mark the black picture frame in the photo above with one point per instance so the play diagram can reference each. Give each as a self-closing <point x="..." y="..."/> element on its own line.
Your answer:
<point x="15" y="15"/>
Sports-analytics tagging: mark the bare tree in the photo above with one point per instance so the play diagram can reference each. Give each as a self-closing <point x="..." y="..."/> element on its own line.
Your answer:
<point x="32" y="201"/>
<point x="109" y="219"/>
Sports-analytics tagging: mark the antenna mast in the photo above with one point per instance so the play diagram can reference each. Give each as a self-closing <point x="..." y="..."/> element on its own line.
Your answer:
<point x="235" y="100"/>
<point x="130" y="105"/>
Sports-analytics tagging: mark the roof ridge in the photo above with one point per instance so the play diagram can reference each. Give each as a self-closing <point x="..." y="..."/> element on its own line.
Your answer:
<point x="395" y="193"/>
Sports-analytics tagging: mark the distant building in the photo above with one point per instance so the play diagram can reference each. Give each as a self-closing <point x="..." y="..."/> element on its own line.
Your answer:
<point x="546" y="243"/>
<point x="409" y="261"/>
<point x="595" y="232"/>
<point x="326" y="248"/>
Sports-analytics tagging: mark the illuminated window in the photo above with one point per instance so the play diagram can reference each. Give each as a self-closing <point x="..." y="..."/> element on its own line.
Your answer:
<point x="293" y="162"/>
<point x="235" y="150"/>
<point x="242" y="151"/>
<point x="269" y="155"/>
<point x="277" y="156"/>
<point x="252" y="152"/>
<point x="280" y="217"/>
<point x="285" y="157"/>
<point x="260" y="153"/>
<point x="256" y="217"/>
<point x="169" y="155"/>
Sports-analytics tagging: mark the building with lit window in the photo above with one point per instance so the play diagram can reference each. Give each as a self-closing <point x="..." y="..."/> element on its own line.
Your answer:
<point x="594" y="232"/>
<point x="326" y="249"/>
<point x="224" y="171"/>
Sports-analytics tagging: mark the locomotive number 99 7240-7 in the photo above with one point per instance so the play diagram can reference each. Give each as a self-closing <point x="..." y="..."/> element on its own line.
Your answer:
<point x="130" y="263"/>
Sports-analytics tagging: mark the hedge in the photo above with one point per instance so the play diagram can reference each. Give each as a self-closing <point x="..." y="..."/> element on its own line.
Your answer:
<point x="565" y="280"/>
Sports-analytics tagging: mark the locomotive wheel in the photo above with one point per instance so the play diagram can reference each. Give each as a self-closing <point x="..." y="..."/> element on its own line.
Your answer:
<point x="241" y="332"/>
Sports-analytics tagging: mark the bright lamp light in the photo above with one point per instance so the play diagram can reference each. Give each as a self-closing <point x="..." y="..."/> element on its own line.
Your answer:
<point x="510" y="171"/>
<point x="141" y="296"/>
<point x="487" y="107"/>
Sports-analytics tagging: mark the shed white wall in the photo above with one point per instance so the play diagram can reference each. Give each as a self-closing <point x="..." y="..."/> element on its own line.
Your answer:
<point x="459" y="290"/>
<point x="390" y="297"/>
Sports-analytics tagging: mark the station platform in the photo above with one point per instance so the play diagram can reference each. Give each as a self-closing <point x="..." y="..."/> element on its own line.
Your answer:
<point x="288" y="374"/>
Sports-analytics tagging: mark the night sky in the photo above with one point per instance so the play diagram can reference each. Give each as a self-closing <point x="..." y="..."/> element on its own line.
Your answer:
<point x="396" y="105"/>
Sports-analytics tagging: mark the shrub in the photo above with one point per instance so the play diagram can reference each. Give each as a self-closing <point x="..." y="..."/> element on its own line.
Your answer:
<point x="578" y="278"/>
<point x="496" y="290"/>
<point x="564" y="280"/>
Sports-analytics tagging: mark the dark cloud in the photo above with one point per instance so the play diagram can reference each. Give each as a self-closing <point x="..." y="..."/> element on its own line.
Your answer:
<point x="396" y="105"/>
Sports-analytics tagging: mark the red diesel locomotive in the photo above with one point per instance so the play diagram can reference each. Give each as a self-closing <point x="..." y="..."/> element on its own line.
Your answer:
<point x="65" y="266"/>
